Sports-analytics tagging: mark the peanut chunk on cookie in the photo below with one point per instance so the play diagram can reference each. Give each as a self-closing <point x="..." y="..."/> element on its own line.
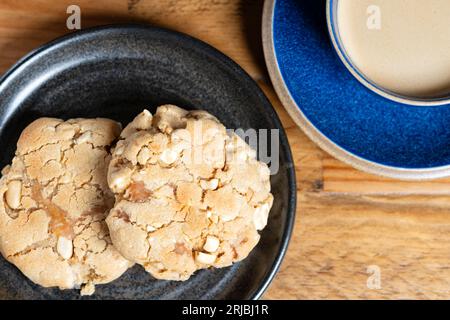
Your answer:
<point x="189" y="196"/>
<point x="54" y="201"/>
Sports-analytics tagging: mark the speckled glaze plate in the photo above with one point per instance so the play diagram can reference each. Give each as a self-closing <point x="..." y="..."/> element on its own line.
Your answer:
<point x="336" y="111"/>
<point x="116" y="71"/>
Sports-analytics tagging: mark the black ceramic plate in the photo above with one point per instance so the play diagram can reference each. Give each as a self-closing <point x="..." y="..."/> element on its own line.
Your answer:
<point x="115" y="72"/>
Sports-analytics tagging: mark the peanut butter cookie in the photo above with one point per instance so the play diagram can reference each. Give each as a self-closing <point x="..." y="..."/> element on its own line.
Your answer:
<point x="54" y="199"/>
<point x="188" y="195"/>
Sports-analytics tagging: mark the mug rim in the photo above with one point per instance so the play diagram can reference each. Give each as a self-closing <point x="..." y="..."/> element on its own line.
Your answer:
<point x="294" y="109"/>
<point x="333" y="31"/>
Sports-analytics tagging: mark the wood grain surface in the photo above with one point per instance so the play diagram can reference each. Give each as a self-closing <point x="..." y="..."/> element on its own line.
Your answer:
<point x="348" y="222"/>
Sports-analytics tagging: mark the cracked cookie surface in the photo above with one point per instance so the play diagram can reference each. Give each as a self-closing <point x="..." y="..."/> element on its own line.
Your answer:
<point x="188" y="195"/>
<point x="53" y="204"/>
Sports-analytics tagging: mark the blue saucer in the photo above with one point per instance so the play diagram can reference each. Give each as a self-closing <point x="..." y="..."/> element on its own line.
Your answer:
<point x="340" y="114"/>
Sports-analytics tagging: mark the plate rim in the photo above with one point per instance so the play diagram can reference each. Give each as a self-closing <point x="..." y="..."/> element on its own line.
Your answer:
<point x="216" y="54"/>
<point x="325" y="143"/>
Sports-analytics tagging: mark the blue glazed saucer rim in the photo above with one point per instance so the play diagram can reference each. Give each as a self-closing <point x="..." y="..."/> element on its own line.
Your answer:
<point x="314" y="133"/>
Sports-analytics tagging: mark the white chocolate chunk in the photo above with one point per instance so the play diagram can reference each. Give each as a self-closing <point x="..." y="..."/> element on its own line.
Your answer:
<point x="66" y="178"/>
<point x="209" y="184"/>
<point x="143" y="155"/>
<point x="180" y="146"/>
<point x="14" y="194"/>
<point x="85" y="137"/>
<point x="143" y="120"/>
<point x="120" y="179"/>
<point x="227" y="217"/>
<point x="205" y="258"/>
<point x="170" y="117"/>
<point x="49" y="129"/>
<point x="260" y="216"/>
<point x="180" y="135"/>
<point x="168" y="156"/>
<point x="64" y="248"/>
<point x="65" y="129"/>
<point x="88" y="289"/>
<point x="264" y="170"/>
<point x="120" y="148"/>
<point x="241" y="157"/>
<point x="211" y="244"/>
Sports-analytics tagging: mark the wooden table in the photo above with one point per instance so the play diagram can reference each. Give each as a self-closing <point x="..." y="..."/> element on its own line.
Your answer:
<point x="347" y="221"/>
